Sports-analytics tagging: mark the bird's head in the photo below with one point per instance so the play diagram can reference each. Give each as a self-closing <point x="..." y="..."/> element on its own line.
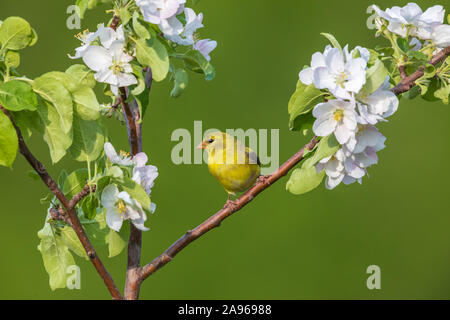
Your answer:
<point x="213" y="141"/>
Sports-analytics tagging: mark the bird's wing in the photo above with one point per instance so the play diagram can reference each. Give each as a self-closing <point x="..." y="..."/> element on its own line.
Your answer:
<point x="251" y="155"/>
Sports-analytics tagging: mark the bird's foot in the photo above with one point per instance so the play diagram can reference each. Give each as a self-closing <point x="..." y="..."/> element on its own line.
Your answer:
<point x="264" y="180"/>
<point x="232" y="205"/>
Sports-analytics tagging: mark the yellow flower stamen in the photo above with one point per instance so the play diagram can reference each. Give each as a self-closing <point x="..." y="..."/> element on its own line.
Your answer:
<point x="338" y="115"/>
<point x="82" y="35"/>
<point x="124" y="154"/>
<point x="341" y="78"/>
<point x="121" y="207"/>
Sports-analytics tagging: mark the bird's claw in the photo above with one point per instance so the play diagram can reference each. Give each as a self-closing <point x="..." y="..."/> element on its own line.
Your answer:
<point x="232" y="205"/>
<point x="264" y="180"/>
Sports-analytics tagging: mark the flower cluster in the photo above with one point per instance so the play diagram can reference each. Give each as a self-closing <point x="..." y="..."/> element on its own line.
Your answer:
<point x="108" y="54"/>
<point x="352" y="115"/>
<point x="120" y="206"/>
<point x="411" y="21"/>
<point x="167" y="15"/>
<point x="104" y="52"/>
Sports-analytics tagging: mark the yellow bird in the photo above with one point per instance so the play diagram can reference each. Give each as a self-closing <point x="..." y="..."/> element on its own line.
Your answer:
<point x="235" y="166"/>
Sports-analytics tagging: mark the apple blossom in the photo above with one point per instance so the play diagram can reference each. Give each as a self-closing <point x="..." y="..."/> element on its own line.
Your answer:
<point x="108" y="35"/>
<point x="193" y="22"/>
<point x="335" y="116"/>
<point x="341" y="77"/>
<point x="163" y="13"/>
<point x="86" y="39"/>
<point x="120" y="207"/>
<point x="378" y="106"/>
<point x="318" y="60"/>
<point x="411" y="20"/>
<point x="205" y="47"/>
<point x="441" y="36"/>
<point x="111" y="65"/>
<point x="124" y="159"/>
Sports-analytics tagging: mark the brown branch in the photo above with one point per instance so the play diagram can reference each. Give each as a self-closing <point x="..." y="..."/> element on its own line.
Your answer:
<point x="402" y="70"/>
<point x="262" y="184"/>
<point x="71" y="213"/>
<point x="216" y="219"/>
<point x="87" y="190"/>
<point x="410" y="81"/>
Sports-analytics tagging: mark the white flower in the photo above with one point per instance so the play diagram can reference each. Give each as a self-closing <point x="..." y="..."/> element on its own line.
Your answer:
<point x="193" y="22"/>
<point x="205" y="47"/>
<point x="163" y="13"/>
<point x="348" y="166"/>
<point x="108" y="35"/>
<point x="120" y="207"/>
<point x="415" y="44"/>
<point x="441" y="36"/>
<point x="86" y="39"/>
<point x="335" y="116"/>
<point x="112" y="66"/>
<point x="318" y="60"/>
<point x="411" y="20"/>
<point x="124" y="159"/>
<point x="367" y="136"/>
<point x="378" y="106"/>
<point x="341" y="77"/>
<point x="358" y="51"/>
<point x="144" y="174"/>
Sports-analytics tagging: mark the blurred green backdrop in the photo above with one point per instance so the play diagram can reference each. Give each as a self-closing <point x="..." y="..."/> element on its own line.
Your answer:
<point x="281" y="246"/>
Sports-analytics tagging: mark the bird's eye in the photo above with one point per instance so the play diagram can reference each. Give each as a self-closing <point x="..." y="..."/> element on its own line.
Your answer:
<point x="210" y="140"/>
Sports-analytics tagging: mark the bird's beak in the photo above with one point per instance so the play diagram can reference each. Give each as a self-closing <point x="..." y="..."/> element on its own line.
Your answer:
<point x="202" y="146"/>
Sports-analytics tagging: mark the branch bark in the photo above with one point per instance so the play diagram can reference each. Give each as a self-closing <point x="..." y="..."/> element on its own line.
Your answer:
<point x="71" y="214"/>
<point x="215" y="220"/>
<point x="410" y="81"/>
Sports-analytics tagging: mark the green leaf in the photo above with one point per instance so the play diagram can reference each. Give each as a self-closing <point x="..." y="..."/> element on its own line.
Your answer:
<point x="180" y="83"/>
<point x="50" y="88"/>
<point x="88" y="140"/>
<point x="89" y="207"/>
<point x="153" y="53"/>
<point x="428" y="94"/>
<point x="137" y="193"/>
<point x="12" y="59"/>
<point x="49" y="126"/>
<point x="15" y="33"/>
<point x="62" y="178"/>
<point x="403" y="44"/>
<point x="327" y="147"/>
<point x="96" y="229"/>
<point x="416" y="55"/>
<point x="304" y="99"/>
<point x="304" y="123"/>
<point x="196" y="62"/>
<point x="9" y="142"/>
<point x="443" y="94"/>
<point x="82" y="75"/>
<point x="115" y="243"/>
<point x="75" y="182"/>
<point x="70" y="239"/>
<point x="332" y="40"/>
<point x="17" y="96"/>
<point x="304" y="179"/>
<point x="86" y="103"/>
<point x="56" y="256"/>
<point x="139" y="28"/>
<point x="376" y="75"/>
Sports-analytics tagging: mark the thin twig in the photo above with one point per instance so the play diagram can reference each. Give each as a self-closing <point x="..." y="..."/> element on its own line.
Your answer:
<point x="71" y="213"/>
<point x="87" y="190"/>
<point x="215" y="220"/>
<point x="410" y="81"/>
<point x="402" y="69"/>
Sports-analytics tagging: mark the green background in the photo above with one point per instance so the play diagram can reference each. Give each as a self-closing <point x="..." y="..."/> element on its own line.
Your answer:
<point x="315" y="246"/>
